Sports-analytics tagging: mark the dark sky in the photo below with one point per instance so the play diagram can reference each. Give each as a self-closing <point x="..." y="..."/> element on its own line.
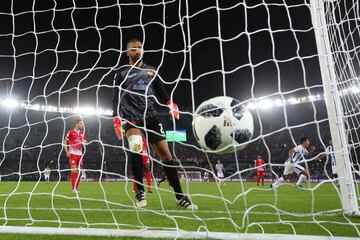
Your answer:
<point x="79" y="46"/>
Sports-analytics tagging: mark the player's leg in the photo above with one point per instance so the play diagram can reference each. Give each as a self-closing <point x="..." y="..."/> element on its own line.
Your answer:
<point x="148" y="177"/>
<point x="303" y="175"/>
<point x="164" y="154"/>
<point x="262" y="178"/>
<point x="146" y="162"/>
<point x="135" y="141"/>
<point x="335" y="176"/>
<point x="258" y="178"/>
<point x="288" y="169"/>
<point x="73" y="172"/>
<point x="80" y="166"/>
<point x="134" y="186"/>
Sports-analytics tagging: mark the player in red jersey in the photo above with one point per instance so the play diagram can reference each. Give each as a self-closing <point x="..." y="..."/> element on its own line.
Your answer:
<point x="73" y="143"/>
<point x="146" y="163"/>
<point x="260" y="166"/>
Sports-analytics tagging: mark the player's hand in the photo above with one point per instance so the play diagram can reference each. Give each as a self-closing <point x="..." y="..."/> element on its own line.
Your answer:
<point x="68" y="155"/>
<point x="117" y="127"/>
<point x="174" y="109"/>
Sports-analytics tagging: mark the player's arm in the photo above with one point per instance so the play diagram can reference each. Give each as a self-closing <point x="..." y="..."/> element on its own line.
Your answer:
<point x="164" y="97"/>
<point x="66" y="145"/>
<point x="291" y="154"/>
<point x="117" y="120"/>
<point x="85" y="142"/>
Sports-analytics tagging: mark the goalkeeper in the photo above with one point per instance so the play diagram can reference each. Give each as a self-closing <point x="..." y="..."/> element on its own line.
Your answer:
<point x="136" y="86"/>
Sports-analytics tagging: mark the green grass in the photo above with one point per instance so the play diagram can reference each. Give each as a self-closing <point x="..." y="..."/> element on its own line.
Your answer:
<point x="247" y="208"/>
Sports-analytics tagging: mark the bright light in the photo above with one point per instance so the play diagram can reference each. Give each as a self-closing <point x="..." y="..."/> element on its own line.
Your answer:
<point x="312" y="98"/>
<point x="251" y="105"/>
<point x="10" y="103"/>
<point x="278" y="102"/>
<point x="35" y="107"/>
<point x="293" y="100"/>
<point x="266" y="104"/>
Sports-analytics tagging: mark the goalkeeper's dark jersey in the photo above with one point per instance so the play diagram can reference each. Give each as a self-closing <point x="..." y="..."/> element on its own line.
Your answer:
<point x="135" y="90"/>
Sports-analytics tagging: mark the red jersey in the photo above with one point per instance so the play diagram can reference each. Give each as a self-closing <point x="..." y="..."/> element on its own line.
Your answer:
<point x="260" y="163"/>
<point x="75" y="139"/>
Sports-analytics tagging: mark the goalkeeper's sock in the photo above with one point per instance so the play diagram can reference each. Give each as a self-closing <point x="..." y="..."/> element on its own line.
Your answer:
<point x="173" y="178"/>
<point x="258" y="181"/>
<point x="137" y="169"/>
<point x="148" y="180"/>
<point x="301" y="179"/>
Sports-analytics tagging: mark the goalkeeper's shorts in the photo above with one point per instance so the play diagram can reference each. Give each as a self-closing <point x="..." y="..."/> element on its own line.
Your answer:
<point x="75" y="161"/>
<point x="154" y="129"/>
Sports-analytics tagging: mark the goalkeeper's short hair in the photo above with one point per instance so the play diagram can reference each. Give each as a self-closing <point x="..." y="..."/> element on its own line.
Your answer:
<point x="133" y="40"/>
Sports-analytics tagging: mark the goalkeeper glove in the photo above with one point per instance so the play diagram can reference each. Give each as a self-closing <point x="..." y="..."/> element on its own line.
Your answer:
<point x="174" y="110"/>
<point x="118" y="128"/>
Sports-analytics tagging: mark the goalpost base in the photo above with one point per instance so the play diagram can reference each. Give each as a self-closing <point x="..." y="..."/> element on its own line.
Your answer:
<point x="159" y="234"/>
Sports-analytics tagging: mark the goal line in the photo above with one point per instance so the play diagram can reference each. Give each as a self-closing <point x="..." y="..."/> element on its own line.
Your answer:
<point x="163" y="234"/>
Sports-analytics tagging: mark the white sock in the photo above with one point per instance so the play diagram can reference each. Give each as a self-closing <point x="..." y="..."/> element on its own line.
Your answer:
<point x="278" y="182"/>
<point x="301" y="179"/>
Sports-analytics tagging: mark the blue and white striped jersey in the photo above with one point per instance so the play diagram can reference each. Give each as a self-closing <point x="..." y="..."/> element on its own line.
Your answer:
<point x="300" y="153"/>
<point x="330" y="152"/>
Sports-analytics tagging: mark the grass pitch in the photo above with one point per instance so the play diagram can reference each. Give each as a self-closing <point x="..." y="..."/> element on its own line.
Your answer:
<point x="234" y="207"/>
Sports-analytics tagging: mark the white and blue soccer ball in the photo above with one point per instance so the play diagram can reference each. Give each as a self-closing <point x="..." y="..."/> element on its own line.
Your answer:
<point x="222" y="125"/>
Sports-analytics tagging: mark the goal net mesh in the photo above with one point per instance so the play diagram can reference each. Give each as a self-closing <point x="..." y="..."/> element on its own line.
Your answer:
<point x="58" y="60"/>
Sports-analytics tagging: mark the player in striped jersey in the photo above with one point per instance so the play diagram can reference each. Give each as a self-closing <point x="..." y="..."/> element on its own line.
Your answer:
<point x="329" y="153"/>
<point x="292" y="164"/>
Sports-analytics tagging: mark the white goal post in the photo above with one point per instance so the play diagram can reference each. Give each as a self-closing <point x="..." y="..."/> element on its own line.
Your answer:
<point x="336" y="117"/>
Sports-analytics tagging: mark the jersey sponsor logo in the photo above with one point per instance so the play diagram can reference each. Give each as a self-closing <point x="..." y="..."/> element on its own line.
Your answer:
<point x="140" y="85"/>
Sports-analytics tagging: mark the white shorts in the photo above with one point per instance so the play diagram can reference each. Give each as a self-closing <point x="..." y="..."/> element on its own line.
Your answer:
<point x="47" y="176"/>
<point x="292" y="167"/>
<point x="334" y="171"/>
<point x="220" y="175"/>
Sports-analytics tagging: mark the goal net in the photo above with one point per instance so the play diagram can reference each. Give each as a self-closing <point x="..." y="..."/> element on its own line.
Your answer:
<point x="293" y="63"/>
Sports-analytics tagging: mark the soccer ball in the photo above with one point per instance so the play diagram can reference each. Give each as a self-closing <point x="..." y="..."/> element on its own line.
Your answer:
<point x="222" y="125"/>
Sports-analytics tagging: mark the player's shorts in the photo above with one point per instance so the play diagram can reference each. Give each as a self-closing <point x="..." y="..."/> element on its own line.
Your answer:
<point x="334" y="170"/>
<point x="46" y="176"/>
<point x="75" y="161"/>
<point x="154" y="129"/>
<point x="292" y="168"/>
<point x="261" y="173"/>
<point x="220" y="175"/>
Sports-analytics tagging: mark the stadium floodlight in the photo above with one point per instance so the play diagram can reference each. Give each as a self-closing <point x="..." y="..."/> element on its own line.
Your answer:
<point x="312" y="98"/>
<point x="278" y="102"/>
<point x="266" y="104"/>
<point x="294" y="100"/>
<point x="10" y="103"/>
<point x="251" y="105"/>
